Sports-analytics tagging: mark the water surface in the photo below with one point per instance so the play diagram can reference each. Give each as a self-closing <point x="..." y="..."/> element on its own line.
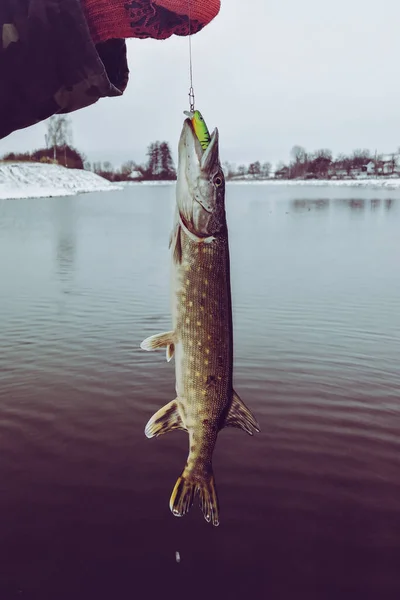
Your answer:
<point x="310" y="507"/>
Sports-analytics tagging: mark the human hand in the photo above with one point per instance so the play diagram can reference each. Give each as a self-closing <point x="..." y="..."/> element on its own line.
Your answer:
<point x="158" y="19"/>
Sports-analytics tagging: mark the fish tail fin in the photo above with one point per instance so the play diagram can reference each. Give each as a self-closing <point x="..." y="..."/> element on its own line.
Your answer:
<point x="187" y="486"/>
<point x="209" y="499"/>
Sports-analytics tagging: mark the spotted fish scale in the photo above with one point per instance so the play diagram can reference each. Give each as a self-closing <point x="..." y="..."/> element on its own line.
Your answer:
<point x="203" y="350"/>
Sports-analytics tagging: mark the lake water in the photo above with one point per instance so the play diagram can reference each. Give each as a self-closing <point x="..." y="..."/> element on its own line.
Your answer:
<point x="310" y="507"/>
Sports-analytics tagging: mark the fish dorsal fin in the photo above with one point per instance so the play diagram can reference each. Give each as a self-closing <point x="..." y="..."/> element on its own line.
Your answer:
<point x="240" y="416"/>
<point x="164" y="420"/>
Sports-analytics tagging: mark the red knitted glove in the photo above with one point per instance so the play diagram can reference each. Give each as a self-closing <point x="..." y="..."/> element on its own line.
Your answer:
<point x="157" y="19"/>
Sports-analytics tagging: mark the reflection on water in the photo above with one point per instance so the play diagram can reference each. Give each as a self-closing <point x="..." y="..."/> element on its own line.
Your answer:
<point x="310" y="204"/>
<point x="375" y="203"/>
<point x="302" y="204"/>
<point x="64" y="220"/>
<point x="310" y="507"/>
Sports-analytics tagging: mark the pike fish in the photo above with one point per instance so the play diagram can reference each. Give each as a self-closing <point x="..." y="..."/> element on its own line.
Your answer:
<point x="201" y="339"/>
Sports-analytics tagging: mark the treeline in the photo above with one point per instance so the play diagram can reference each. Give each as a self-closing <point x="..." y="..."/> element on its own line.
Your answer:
<point x="158" y="167"/>
<point x="321" y="164"/>
<point x="255" y="169"/>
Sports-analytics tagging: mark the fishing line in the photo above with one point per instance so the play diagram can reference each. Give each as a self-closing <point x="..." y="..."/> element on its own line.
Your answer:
<point x="191" y="89"/>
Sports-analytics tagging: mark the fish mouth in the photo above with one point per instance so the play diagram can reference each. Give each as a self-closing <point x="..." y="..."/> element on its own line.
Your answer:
<point x="206" y="158"/>
<point x="200" y="153"/>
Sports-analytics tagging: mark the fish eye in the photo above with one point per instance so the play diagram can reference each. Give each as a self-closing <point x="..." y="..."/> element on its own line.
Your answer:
<point x="218" y="181"/>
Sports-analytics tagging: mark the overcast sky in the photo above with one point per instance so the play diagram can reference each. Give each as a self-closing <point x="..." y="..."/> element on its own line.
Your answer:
<point x="268" y="73"/>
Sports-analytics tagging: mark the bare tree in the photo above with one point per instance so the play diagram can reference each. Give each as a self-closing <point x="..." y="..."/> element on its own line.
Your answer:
<point x="360" y="157"/>
<point x="298" y="154"/>
<point x="320" y="163"/>
<point x="59" y="134"/>
<point x="255" y="168"/>
<point x="341" y="160"/>
<point x="266" y="169"/>
<point x="298" y="166"/>
<point x="393" y="162"/>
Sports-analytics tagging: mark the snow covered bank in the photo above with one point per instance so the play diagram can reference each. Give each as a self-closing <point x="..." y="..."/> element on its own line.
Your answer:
<point x="380" y="182"/>
<point x="149" y="182"/>
<point x="36" y="180"/>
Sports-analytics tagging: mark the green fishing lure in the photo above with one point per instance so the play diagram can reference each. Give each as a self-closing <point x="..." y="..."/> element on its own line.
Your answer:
<point x="200" y="127"/>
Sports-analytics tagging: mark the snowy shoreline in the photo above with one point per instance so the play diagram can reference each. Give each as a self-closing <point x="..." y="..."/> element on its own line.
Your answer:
<point x="36" y="180"/>
<point x="370" y="183"/>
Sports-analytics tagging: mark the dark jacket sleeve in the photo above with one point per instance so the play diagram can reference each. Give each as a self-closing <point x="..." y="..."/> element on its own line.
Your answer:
<point x="49" y="64"/>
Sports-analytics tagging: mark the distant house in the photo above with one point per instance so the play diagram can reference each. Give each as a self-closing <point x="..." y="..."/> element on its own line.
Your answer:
<point x="135" y="175"/>
<point x="358" y="171"/>
<point x="388" y="163"/>
<point x="338" y="172"/>
<point x="282" y="173"/>
<point x="370" y="168"/>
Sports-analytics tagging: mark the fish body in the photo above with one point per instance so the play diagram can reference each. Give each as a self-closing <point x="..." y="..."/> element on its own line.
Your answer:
<point x="202" y="335"/>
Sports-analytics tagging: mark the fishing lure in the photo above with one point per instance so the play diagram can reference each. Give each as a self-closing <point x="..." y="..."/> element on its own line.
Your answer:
<point x="200" y="127"/>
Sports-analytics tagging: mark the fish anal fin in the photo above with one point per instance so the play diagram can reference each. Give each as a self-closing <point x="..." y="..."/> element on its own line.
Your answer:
<point x="170" y="351"/>
<point x="164" y="420"/>
<point x="161" y="340"/>
<point x="240" y="416"/>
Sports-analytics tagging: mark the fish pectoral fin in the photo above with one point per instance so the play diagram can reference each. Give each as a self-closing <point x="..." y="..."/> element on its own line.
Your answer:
<point x="164" y="420"/>
<point x="170" y="351"/>
<point x="175" y="244"/>
<point x="161" y="340"/>
<point x="240" y="416"/>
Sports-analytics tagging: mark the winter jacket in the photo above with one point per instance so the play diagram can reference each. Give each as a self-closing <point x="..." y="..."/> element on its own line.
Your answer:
<point x="61" y="71"/>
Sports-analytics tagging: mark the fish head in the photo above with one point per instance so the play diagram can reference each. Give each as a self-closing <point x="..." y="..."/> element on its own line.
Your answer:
<point x="200" y="190"/>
